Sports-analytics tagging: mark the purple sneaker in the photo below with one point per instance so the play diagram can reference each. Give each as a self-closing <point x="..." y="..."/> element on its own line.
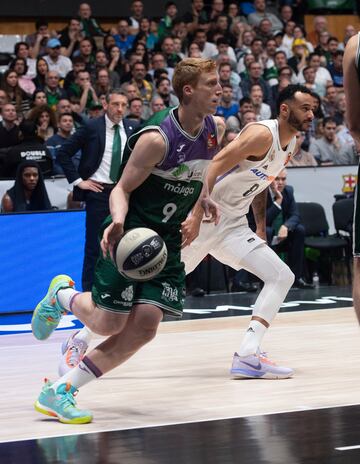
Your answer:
<point x="258" y="366"/>
<point x="73" y="350"/>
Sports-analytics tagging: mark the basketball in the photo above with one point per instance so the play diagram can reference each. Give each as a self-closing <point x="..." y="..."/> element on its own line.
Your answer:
<point x="141" y="254"/>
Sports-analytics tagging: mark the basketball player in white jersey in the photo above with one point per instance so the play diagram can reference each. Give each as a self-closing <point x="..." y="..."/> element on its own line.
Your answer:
<point x="242" y="171"/>
<point x="351" y="67"/>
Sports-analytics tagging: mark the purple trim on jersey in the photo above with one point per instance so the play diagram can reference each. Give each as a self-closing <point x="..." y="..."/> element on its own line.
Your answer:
<point x="183" y="147"/>
<point x="227" y="173"/>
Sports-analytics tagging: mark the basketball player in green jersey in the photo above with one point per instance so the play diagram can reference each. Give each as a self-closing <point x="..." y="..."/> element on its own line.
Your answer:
<point x="351" y="67"/>
<point x="160" y="184"/>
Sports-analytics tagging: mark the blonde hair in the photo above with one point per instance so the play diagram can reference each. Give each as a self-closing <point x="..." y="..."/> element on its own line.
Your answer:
<point x="188" y="72"/>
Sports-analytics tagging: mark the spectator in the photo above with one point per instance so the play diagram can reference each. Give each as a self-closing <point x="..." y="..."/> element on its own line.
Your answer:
<point x="70" y="37"/>
<point x="21" y="50"/>
<point x="157" y="104"/>
<point x="136" y="110"/>
<point x="96" y="109"/>
<point x="123" y="39"/>
<point x="264" y="30"/>
<point x="137" y="12"/>
<point x="309" y="74"/>
<point x="323" y="77"/>
<point x="9" y="130"/>
<point x="168" y="49"/>
<point x="163" y="89"/>
<point x="329" y="101"/>
<point x="229" y="136"/>
<point x="348" y="33"/>
<point x="89" y="25"/>
<point x="299" y="33"/>
<point x="300" y="53"/>
<point x="340" y="110"/>
<point x="261" y="13"/>
<point x="30" y="148"/>
<point x="287" y="38"/>
<point x="227" y="108"/>
<point x="145" y="89"/>
<point x="83" y="90"/>
<point x="166" y="23"/>
<point x="102" y="83"/>
<point x="255" y="77"/>
<point x="45" y="120"/>
<point x="29" y="191"/>
<point x="328" y="150"/>
<point x="53" y="91"/>
<point x="3" y="101"/>
<point x="116" y="64"/>
<point x="336" y="69"/>
<point x="333" y="47"/>
<point x="196" y="16"/>
<point x="158" y="61"/>
<point x="224" y="49"/>
<point x="38" y="40"/>
<point x="283" y="226"/>
<point x="57" y="62"/>
<point x="54" y="143"/>
<point x="151" y="38"/>
<point x="21" y="68"/>
<point x="16" y="95"/>
<point x="235" y="123"/>
<point x="42" y="68"/>
<point x="216" y="9"/>
<point x="300" y="156"/>
<point x="320" y="25"/>
<point x="102" y="62"/>
<point x="130" y="90"/>
<point x="207" y="49"/>
<point x="262" y="110"/>
<point x="86" y="49"/>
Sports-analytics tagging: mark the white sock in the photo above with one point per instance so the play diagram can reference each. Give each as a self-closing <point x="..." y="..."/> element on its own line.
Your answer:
<point x="85" y="335"/>
<point x="252" y="339"/>
<point x="65" y="297"/>
<point x="83" y="373"/>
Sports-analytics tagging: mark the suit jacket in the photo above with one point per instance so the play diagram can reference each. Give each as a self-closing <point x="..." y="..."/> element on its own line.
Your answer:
<point x="289" y="209"/>
<point x="90" y="139"/>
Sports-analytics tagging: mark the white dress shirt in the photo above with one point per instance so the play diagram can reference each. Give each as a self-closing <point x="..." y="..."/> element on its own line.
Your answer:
<point x="103" y="172"/>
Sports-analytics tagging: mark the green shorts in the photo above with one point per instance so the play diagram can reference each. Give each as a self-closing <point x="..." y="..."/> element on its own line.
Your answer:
<point x="113" y="292"/>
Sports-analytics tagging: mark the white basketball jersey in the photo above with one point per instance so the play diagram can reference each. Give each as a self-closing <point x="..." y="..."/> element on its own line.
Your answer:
<point x="235" y="190"/>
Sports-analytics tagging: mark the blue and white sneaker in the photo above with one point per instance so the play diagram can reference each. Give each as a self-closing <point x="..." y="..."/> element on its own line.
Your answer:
<point x="73" y="350"/>
<point x="48" y="312"/>
<point x="258" y="366"/>
<point x="61" y="404"/>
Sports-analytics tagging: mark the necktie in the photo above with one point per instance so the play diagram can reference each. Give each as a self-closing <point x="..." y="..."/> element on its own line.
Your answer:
<point x="116" y="155"/>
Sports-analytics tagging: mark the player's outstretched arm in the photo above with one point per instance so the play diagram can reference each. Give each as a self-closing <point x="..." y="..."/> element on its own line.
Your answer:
<point x="255" y="141"/>
<point x="148" y="152"/>
<point x="352" y="88"/>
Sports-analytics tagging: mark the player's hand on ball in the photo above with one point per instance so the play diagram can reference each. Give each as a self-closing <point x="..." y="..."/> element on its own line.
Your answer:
<point x="112" y="235"/>
<point x="211" y="210"/>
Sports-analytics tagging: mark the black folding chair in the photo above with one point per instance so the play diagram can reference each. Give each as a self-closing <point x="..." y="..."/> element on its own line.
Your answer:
<point x="317" y="235"/>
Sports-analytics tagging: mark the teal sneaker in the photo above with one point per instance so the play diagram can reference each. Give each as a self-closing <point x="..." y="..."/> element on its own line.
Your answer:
<point x="61" y="404"/>
<point x="48" y="312"/>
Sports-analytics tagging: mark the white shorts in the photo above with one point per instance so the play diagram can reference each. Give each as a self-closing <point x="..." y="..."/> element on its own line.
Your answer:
<point x="228" y="242"/>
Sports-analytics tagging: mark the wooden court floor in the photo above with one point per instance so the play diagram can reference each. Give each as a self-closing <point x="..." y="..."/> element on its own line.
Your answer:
<point x="183" y="376"/>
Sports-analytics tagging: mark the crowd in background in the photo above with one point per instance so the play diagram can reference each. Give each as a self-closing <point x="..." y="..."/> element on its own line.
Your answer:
<point x="56" y="81"/>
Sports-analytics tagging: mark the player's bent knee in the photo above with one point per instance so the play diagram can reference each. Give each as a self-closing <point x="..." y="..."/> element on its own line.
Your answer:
<point x="107" y="323"/>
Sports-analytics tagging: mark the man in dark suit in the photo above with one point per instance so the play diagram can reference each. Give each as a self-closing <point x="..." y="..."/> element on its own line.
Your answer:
<point x="101" y="141"/>
<point x="283" y="227"/>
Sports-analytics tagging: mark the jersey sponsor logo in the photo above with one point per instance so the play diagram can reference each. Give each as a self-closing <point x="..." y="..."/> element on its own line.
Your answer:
<point x="127" y="294"/>
<point x="262" y="175"/>
<point x="179" y="189"/>
<point x="104" y="295"/>
<point x="181" y="155"/>
<point x="211" y="141"/>
<point x="181" y="170"/>
<point x="169" y="293"/>
<point x="288" y="158"/>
